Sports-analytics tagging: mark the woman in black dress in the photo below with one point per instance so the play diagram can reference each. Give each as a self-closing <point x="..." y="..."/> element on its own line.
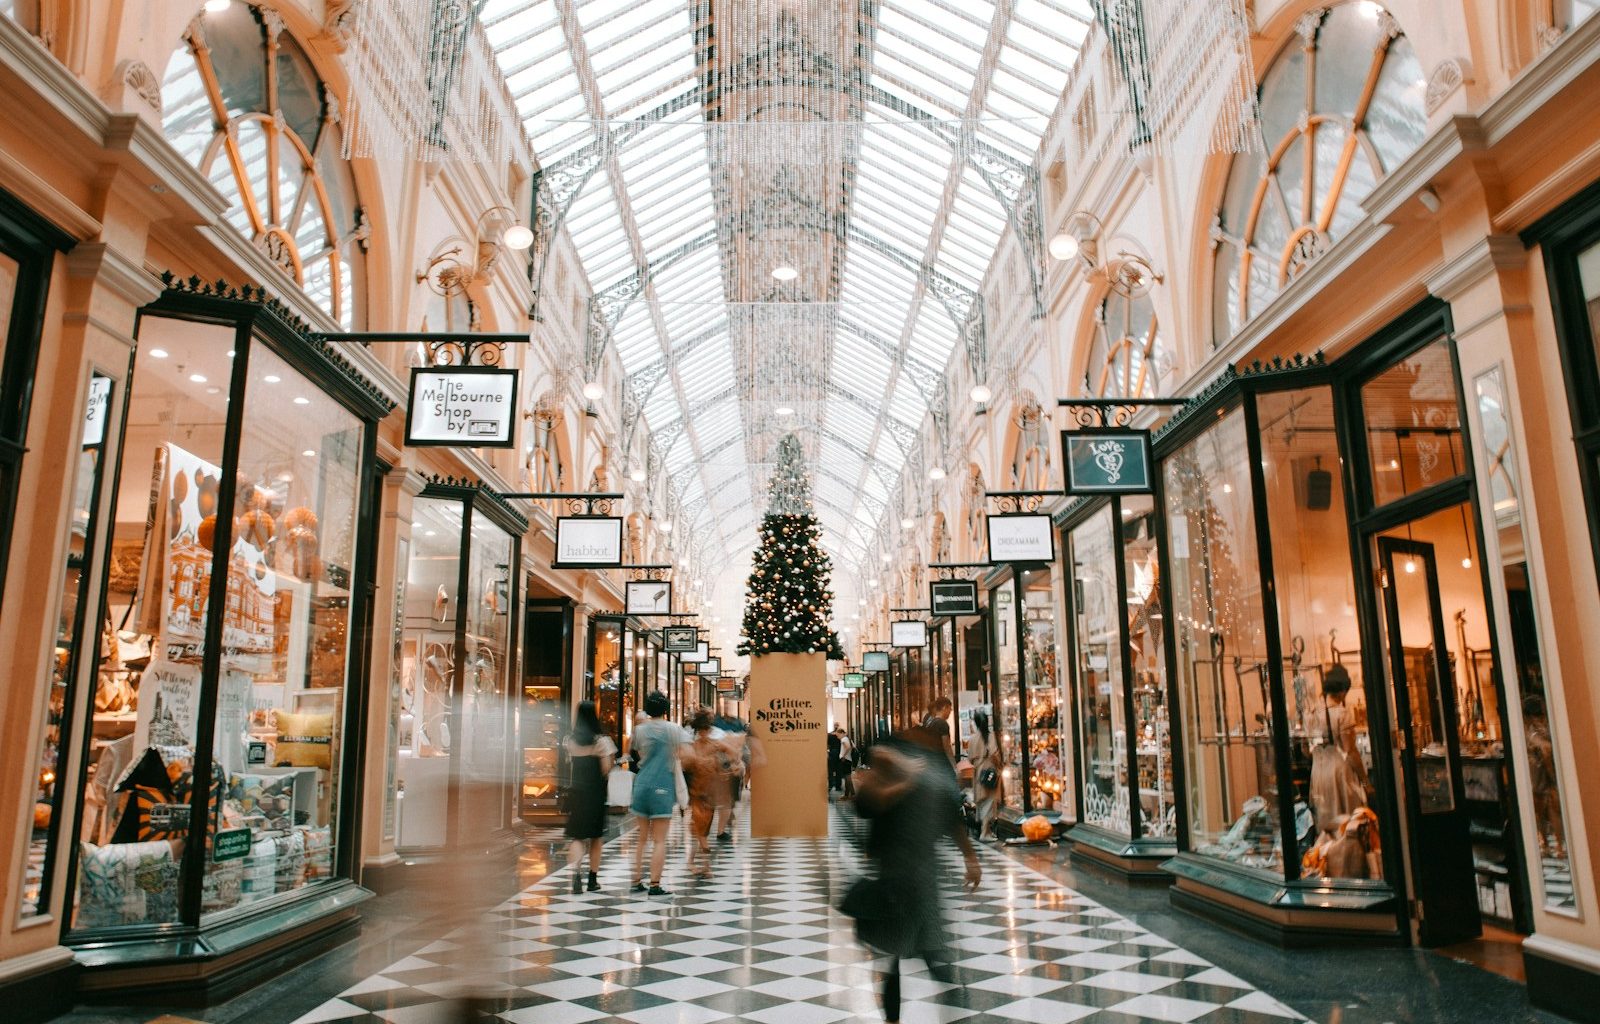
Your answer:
<point x="591" y="753"/>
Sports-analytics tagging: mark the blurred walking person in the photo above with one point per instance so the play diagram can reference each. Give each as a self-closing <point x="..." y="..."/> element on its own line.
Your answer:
<point x="590" y="752"/>
<point x="983" y="751"/>
<point x="911" y="801"/>
<point x="712" y="766"/>
<point x="655" y="789"/>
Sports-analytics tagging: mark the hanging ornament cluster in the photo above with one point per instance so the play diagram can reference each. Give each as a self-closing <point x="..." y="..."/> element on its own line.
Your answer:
<point x="789" y="601"/>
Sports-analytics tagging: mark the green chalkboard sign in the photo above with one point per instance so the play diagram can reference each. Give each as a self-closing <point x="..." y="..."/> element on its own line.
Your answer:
<point x="1106" y="461"/>
<point x="231" y="844"/>
<point x="854" y="680"/>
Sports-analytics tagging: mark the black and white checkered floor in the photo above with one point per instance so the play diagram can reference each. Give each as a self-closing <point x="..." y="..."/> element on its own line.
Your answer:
<point x="763" y="942"/>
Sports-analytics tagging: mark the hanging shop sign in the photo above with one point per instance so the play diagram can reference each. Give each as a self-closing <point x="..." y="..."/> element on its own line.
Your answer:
<point x="953" y="597"/>
<point x="649" y="597"/>
<point x="461" y="407"/>
<point x="588" y="542"/>
<point x="875" y="661"/>
<point x="710" y="667"/>
<point x="853" y="680"/>
<point x="1112" y="461"/>
<point x="680" y="640"/>
<point x="727" y="684"/>
<point x="839" y="693"/>
<point x="908" y="633"/>
<point x="1026" y="537"/>
<point x="697" y="654"/>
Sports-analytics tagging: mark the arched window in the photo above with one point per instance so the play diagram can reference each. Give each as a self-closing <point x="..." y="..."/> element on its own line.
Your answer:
<point x="1127" y="358"/>
<point x="545" y="471"/>
<point x="23" y="12"/>
<point x="1340" y="108"/>
<point x="1030" y="453"/>
<point x="242" y="103"/>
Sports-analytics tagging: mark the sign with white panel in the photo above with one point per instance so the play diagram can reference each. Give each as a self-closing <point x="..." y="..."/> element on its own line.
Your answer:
<point x="1028" y="537"/>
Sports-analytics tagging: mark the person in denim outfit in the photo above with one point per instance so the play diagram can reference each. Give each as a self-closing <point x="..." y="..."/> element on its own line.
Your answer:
<point x="655" y="789"/>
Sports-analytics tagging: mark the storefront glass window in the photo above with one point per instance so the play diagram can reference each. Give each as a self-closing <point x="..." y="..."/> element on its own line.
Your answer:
<point x="1158" y="813"/>
<point x="1042" y="649"/>
<point x="605" y="676"/>
<point x="486" y="727"/>
<point x="281" y="695"/>
<point x="1284" y="208"/>
<point x="71" y="616"/>
<point x="1222" y="662"/>
<point x="432" y="582"/>
<point x="134" y="828"/>
<point x="1007" y="696"/>
<point x="9" y="271"/>
<point x="1330" y="748"/>
<point x="1100" y="679"/>
<point x="1413" y="418"/>
<point x="1527" y="683"/>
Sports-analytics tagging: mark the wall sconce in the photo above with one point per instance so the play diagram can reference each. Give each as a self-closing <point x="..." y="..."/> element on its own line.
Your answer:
<point x="1128" y="274"/>
<point x="448" y="273"/>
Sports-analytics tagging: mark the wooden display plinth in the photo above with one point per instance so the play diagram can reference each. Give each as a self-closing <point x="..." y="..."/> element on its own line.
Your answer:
<point x="788" y="701"/>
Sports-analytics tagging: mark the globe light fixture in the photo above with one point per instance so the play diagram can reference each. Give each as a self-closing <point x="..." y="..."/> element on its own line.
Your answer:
<point x="217" y="6"/>
<point x="981" y="394"/>
<point x="908" y="523"/>
<point x="666" y="526"/>
<point x="936" y="473"/>
<point x="784" y="410"/>
<point x="594" y="390"/>
<point x="636" y="474"/>
<point x="1064" y="247"/>
<point x="518" y="237"/>
<point x="784" y="272"/>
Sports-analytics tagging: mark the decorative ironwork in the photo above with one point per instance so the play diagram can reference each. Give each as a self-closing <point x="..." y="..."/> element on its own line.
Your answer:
<point x="501" y="501"/>
<point x="648" y="573"/>
<point x="322" y="344"/>
<point x="1011" y="502"/>
<point x="1092" y="413"/>
<point x="575" y="504"/>
<point x="958" y="570"/>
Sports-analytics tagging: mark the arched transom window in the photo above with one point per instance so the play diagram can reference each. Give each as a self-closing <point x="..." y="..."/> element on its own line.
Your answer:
<point x="1340" y="108"/>
<point x="1127" y="358"/>
<point x="242" y="102"/>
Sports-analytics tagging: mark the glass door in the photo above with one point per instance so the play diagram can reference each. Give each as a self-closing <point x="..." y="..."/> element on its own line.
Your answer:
<point x="1428" y="755"/>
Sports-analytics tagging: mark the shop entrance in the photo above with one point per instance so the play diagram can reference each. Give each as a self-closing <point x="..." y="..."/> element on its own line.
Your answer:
<point x="1426" y="745"/>
<point x="1454" y="787"/>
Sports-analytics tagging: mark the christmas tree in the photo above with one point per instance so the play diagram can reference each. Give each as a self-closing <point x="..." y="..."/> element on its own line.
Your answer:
<point x="790" y="601"/>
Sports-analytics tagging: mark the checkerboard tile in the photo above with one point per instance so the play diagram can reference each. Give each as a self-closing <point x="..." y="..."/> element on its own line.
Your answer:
<point x="762" y="943"/>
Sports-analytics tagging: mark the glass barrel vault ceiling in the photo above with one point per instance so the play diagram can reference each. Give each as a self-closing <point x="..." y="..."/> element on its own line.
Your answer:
<point x="917" y="74"/>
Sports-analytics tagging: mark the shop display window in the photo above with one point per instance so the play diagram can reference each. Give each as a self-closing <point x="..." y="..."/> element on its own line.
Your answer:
<point x="1147" y="668"/>
<point x="1121" y="681"/>
<point x="607" y="682"/>
<point x="454" y="774"/>
<point x="88" y="477"/>
<point x="1101" y="690"/>
<point x="1046" y="735"/>
<point x="546" y="637"/>
<point x="1330" y="746"/>
<point x="1007" y="695"/>
<point x="1223" y="673"/>
<point x="1526" y="686"/>
<point x="216" y="758"/>
<point x="1413" y="423"/>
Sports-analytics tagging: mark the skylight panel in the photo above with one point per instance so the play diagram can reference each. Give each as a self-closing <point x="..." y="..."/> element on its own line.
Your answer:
<point x="907" y="405"/>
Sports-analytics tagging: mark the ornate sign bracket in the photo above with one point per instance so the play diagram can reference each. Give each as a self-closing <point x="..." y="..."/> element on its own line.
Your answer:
<point x="959" y="570"/>
<point x="574" y="504"/>
<point x="1112" y="412"/>
<point x="1011" y="502"/>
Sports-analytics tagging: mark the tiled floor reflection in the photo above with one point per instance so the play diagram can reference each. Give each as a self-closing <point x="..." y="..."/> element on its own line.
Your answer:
<point x="762" y="942"/>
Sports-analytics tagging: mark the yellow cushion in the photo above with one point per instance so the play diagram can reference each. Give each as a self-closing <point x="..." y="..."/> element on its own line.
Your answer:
<point x="305" y="740"/>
